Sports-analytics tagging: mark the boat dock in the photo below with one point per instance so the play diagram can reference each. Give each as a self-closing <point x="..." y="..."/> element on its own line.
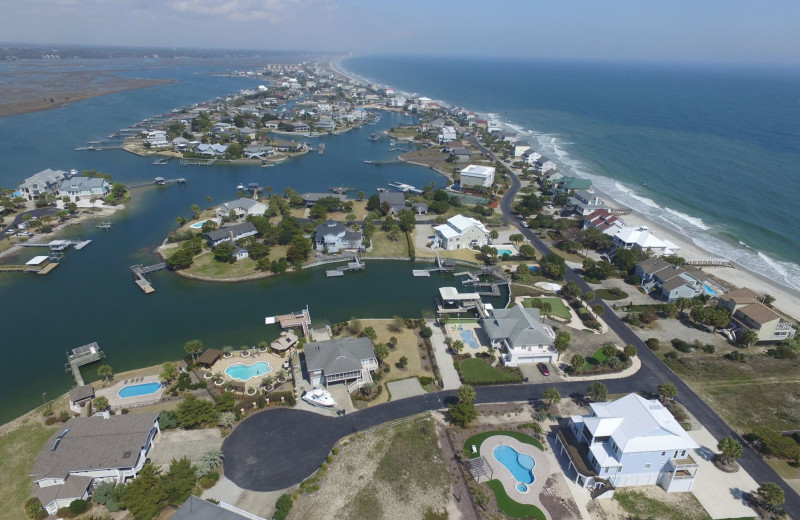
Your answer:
<point x="405" y="187"/>
<point x="355" y="265"/>
<point x="158" y="181"/>
<point x="139" y="271"/>
<point x="424" y="273"/>
<point x="82" y="356"/>
<point x="300" y="319"/>
<point x="198" y="162"/>
<point x="105" y="225"/>
<point x="80" y="245"/>
<point x="386" y="163"/>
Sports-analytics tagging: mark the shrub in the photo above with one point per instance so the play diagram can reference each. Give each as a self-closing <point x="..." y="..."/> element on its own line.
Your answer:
<point x="653" y="344"/>
<point x="288" y="398"/>
<point x="708" y="348"/>
<point x="781" y="352"/>
<point x="167" y="420"/>
<point x="681" y="345"/>
<point x="671" y="355"/>
<point x="425" y="380"/>
<point x="79" y="506"/>
<point x="773" y="443"/>
<point x="51" y="420"/>
<point x="283" y="506"/>
<point x="735" y="356"/>
<point x="63" y="416"/>
<point x="33" y="508"/>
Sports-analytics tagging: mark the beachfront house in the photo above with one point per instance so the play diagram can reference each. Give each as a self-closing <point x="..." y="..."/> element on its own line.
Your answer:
<point x="520" y="148"/>
<point x="749" y="313"/>
<point x="85" y="188"/>
<point x="309" y="199"/>
<point x="45" y="182"/>
<point x="585" y="202"/>
<point x="475" y="176"/>
<point x="340" y="361"/>
<point x="241" y="208"/>
<point x="334" y="237"/>
<point x="231" y="233"/>
<point x="394" y="199"/>
<point x="643" y="239"/>
<point x="603" y="220"/>
<point x="87" y="451"/>
<point x="632" y="441"/>
<point x="460" y="232"/>
<point x="670" y="282"/>
<point x="326" y="124"/>
<point x="570" y="184"/>
<point x="520" y="336"/>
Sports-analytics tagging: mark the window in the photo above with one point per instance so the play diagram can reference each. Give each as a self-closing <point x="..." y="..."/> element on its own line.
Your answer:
<point x="683" y="453"/>
<point x="647" y="466"/>
<point x="605" y="470"/>
<point x="663" y="453"/>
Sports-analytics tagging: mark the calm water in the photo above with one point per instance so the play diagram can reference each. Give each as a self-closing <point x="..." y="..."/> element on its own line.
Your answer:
<point x="712" y="152"/>
<point x="92" y="297"/>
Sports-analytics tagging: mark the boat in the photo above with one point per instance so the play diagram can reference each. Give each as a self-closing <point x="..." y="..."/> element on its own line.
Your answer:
<point x="319" y="397"/>
<point x="159" y="162"/>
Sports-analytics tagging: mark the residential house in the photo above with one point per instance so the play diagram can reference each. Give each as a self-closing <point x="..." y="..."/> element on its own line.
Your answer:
<point x="312" y="198"/>
<point x="530" y="156"/>
<point x="585" y="202"/>
<point x="86" y="188"/>
<point x="196" y="508"/>
<point x="520" y="148"/>
<point x="395" y="200"/>
<point x="749" y="313"/>
<point x="570" y="184"/>
<point x="545" y="165"/>
<point x="519" y="334"/>
<point x="326" y="124"/>
<point x="241" y="208"/>
<point x="603" y="220"/>
<point x="231" y="233"/>
<point x="299" y="127"/>
<point x="632" y="441"/>
<point x="461" y="155"/>
<point x="335" y="237"/>
<point x="240" y="253"/>
<point x="420" y="208"/>
<point x="45" y="182"/>
<point x="258" y="152"/>
<point x="248" y="133"/>
<point x="475" y="176"/>
<point x="212" y="150"/>
<point x="670" y="282"/>
<point x="91" y="450"/>
<point x="643" y="239"/>
<point x="460" y="232"/>
<point x="341" y="360"/>
<point x="288" y="146"/>
<point x="448" y="134"/>
<point x="157" y="138"/>
<point x="80" y="396"/>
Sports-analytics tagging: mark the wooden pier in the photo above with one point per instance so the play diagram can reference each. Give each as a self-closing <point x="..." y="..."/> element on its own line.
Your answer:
<point x="711" y="263"/>
<point x="198" y="162"/>
<point x="355" y="265"/>
<point x="158" y="181"/>
<point x="82" y="356"/>
<point x="28" y="269"/>
<point x="394" y="162"/>
<point x="300" y="319"/>
<point x="139" y="271"/>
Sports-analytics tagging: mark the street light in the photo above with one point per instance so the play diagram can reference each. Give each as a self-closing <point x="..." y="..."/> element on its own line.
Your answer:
<point x="44" y="394"/>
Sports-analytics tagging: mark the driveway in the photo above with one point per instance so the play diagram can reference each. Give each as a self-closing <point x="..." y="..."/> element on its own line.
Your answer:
<point x="450" y="379"/>
<point x="406" y="388"/>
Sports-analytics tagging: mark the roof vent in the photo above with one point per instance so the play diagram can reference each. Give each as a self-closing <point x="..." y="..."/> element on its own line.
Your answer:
<point x="126" y="455"/>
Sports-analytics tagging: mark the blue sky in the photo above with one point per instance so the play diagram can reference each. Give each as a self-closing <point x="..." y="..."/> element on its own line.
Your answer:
<point x="674" y="30"/>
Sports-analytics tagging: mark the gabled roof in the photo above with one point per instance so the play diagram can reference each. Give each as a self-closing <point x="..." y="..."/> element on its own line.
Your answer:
<point x="81" y="392"/>
<point x="242" y="203"/>
<point x="394" y="198"/>
<point x="338" y="355"/>
<point x="331" y="227"/>
<point x="517" y="325"/>
<point x="461" y="223"/>
<point x="759" y="313"/>
<point x="72" y="488"/>
<point x="238" y="229"/>
<point x="195" y="508"/>
<point x="90" y="443"/>
<point x="646" y="425"/>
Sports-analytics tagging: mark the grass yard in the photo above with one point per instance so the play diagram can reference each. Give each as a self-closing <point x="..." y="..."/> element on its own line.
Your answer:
<point x="605" y="294"/>
<point x="598" y="358"/>
<point x="478" y="372"/>
<point x="679" y="506"/>
<point x="402" y="132"/>
<point x="558" y="308"/>
<point x="19" y="447"/>
<point x="478" y="439"/>
<point x="205" y="265"/>
<point x="382" y="246"/>
<point x="511" y="508"/>
<point x="394" y="473"/>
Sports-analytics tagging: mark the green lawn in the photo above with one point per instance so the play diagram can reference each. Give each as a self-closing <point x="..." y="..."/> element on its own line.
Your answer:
<point x="557" y="307"/>
<point x="478" y="439"/>
<point x="382" y="246"/>
<point x="598" y="358"/>
<point x="18" y="451"/>
<point x="511" y="508"/>
<point x="605" y="294"/>
<point x="478" y="372"/>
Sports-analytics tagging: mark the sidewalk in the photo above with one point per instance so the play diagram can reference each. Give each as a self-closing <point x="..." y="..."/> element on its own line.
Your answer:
<point x="450" y="379"/>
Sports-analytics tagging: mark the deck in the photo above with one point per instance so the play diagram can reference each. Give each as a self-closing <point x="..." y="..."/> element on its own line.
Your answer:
<point x="81" y="356"/>
<point x="140" y="270"/>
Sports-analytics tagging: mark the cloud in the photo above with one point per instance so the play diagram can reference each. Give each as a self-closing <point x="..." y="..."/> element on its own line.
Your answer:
<point x="236" y="10"/>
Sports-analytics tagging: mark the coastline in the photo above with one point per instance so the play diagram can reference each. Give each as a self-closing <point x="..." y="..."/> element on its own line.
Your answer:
<point x="787" y="299"/>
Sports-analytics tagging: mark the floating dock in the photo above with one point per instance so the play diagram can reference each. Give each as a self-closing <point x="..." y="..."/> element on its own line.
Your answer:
<point x="82" y="356"/>
<point x="139" y="271"/>
<point x="425" y="273"/>
<point x="80" y="245"/>
<point x="331" y="273"/>
<point x="300" y="319"/>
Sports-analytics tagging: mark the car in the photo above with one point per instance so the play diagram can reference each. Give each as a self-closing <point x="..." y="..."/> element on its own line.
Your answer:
<point x="543" y="369"/>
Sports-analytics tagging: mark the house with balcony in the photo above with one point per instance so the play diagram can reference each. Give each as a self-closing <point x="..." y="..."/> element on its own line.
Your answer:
<point x="334" y="237"/>
<point x="86" y="188"/>
<point x="347" y="360"/>
<point x="632" y="441"/>
<point x="585" y="203"/>
<point x="242" y="207"/>
<point x="749" y="313"/>
<point x="45" y="182"/>
<point x="88" y="451"/>
<point x="643" y="239"/>
<point x="460" y="232"/>
<point x="668" y="281"/>
<point x="520" y="336"/>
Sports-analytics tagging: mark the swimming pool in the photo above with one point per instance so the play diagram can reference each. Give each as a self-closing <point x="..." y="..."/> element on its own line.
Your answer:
<point x="469" y="339"/>
<point x="244" y="372"/>
<point x="502" y="252"/>
<point x="708" y="290"/>
<point x="139" y="390"/>
<point x="198" y="225"/>
<point x="519" y="464"/>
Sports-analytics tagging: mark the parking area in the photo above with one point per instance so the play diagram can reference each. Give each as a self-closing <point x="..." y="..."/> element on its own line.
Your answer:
<point x="405" y="388"/>
<point x="532" y="374"/>
<point x="192" y="444"/>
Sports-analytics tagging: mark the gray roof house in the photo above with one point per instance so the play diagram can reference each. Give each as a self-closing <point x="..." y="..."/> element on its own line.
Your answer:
<point x="103" y="447"/>
<point x="341" y="360"/>
<point x="231" y="233"/>
<point x="46" y="181"/>
<point x="670" y="282"/>
<point x="520" y="334"/>
<point x="312" y="198"/>
<point x="335" y="237"/>
<point x="195" y="508"/>
<point x="395" y="199"/>
<point x="78" y="187"/>
<point x="241" y="208"/>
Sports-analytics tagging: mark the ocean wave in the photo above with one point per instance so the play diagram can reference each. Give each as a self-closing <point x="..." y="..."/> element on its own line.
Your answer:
<point x="695" y="221"/>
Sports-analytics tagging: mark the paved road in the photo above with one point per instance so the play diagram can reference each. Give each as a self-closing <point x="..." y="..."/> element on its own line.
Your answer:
<point x="279" y="448"/>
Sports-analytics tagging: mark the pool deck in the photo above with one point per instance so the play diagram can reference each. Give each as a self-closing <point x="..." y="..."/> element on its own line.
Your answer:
<point x="274" y="360"/>
<point x="541" y="470"/>
<point x="116" y="402"/>
<point x="455" y="335"/>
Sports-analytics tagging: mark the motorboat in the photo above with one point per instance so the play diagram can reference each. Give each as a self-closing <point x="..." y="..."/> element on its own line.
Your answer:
<point x="319" y="397"/>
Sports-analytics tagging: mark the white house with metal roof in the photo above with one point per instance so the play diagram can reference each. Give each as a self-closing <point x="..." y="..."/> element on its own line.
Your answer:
<point x="478" y="176"/>
<point x="632" y="441"/>
<point x="643" y="239"/>
<point x="519" y="334"/>
<point x="88" y="450"/>
<point x="242" y="207"/>
<point x="460" y="232"/>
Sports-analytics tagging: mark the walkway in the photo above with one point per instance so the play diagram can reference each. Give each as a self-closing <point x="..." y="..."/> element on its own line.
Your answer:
<point x="450" y="379"/>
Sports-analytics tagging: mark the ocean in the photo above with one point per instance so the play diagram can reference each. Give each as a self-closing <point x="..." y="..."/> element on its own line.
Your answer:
<point x="709" y="151"/>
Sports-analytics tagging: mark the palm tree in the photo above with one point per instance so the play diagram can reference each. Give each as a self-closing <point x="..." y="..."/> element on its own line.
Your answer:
<point x="100" y="403"/>
<point x="213" y="457"/>
<point x="105" y="372"/>
<point x="226" y="419"/>
<point x="169" y="372"/>
<point x="267" y="382"/>
<point x="667" y="390"/>
<point x="193" y="347"/>
<point x="361" y="195"/>
<point x="552" y="396"/>
<point x="598" y="391"/>
<point x="227" y="350"/>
